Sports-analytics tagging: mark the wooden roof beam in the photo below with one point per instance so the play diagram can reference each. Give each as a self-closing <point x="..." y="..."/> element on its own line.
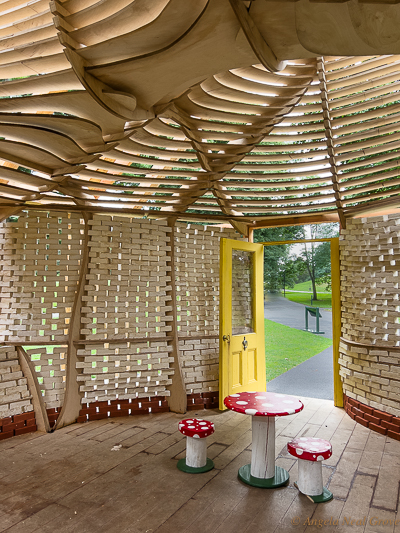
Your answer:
<point x="329" y="138"/>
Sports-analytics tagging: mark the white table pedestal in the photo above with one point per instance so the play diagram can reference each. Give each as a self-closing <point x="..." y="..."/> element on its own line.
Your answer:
<point x="262" y="472"/>
<point x="263" y="447"/>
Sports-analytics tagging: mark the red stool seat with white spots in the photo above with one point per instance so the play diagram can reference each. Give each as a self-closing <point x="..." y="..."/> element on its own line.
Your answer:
<point x="310" y="448"/>
<point x="196" y="428"/>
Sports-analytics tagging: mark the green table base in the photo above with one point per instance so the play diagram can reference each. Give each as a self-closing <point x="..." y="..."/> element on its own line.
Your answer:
<point x="326" y="495"/>
<point x="281" y="478"/>
<point x="193" y="470"/>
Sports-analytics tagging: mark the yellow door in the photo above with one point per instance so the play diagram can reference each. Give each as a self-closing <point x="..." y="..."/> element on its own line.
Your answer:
<point x="242" y="352"/>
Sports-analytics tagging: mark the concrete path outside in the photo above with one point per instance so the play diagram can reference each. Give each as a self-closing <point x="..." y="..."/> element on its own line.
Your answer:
<point x="314" y="377"/>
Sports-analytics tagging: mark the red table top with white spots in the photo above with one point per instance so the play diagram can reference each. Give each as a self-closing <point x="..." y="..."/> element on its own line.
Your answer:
<point x="263" y="403"/>
<point x="310" y="448"/>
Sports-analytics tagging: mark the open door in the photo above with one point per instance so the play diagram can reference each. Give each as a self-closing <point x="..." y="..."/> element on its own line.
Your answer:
<point x="242" y="349"/>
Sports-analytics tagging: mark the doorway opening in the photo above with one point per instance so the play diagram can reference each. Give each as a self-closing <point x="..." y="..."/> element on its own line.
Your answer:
<point x="301" y="286"/>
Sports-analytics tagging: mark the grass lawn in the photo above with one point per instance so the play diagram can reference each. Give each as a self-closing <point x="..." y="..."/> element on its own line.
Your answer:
<point x="324" y="299"/>
<point x="287" y="347"/>
<point x="306" y="286"/>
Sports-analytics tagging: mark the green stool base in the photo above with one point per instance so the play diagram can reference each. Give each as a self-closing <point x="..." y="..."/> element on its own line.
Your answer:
<point x="193" y="470"/>
<point x="326" y="495"/>
<point x="281" y="478"/>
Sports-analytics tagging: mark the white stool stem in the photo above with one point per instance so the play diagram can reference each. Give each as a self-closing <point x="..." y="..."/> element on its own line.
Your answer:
<point x="263" y="447"/>
<point x="196" y="452"/>
<point x="309" y="479"/>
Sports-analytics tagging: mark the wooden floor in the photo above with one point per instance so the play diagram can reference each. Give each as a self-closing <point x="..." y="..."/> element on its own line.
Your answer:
<point x="74" y="480"/>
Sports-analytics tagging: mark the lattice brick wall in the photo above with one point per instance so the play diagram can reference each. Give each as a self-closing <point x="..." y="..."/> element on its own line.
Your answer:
<point x="370" y="265"/>
<point x="50" y="369"/>
<point x="197" y="277"/>
<point x="125" y="370"/>
<point x="128" y="280"/>
<point x="15" y="397"/>
<point x="39" y="269"/>
<point x="127" y="297"/>
<point x="197" y="280"/>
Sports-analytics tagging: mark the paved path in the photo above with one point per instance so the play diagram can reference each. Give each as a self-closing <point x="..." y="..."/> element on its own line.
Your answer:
<point x="314" y="377"/>
<point x="283" y="311"/>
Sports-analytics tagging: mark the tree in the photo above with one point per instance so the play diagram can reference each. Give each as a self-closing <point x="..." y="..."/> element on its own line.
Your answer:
<point x="278" y="261"/>
<point x="283" y="268"/>
<point x="316" y="256"/>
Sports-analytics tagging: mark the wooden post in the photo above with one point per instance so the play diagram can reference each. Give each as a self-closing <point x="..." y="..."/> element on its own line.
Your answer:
<point x="72" y="400"/>
<point x="178" y="399"/>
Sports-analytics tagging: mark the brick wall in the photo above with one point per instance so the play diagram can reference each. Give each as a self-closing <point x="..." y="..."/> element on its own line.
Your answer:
<point x="374" y="419"/>
<point x="200" y="364"/>
<point x="126" y="299"/>
<point x="16" y="411"/>
<point x="197" y="280"/>
<point x="370" y="345"/>
<point x="15" y="398"/>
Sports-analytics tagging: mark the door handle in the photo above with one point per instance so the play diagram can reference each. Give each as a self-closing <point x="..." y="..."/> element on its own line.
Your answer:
<point x="226" y="338"/>
<point x="245" y="343"/>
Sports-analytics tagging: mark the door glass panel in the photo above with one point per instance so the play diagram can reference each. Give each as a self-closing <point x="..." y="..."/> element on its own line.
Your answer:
<point x="242" y="292"/>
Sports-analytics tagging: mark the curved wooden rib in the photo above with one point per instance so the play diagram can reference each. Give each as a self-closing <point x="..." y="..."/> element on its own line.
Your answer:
<point x="72" y="399"/>
<point x="260" y="47"/>
<point x="28" y="369"/>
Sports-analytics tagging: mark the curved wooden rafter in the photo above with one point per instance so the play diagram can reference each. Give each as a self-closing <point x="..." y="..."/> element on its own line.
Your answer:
<point x="260" y="47"/>
<point x="329" y="139"/>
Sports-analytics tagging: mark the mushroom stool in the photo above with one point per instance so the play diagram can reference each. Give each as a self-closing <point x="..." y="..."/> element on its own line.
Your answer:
<point x="196" y="432"/>
<point x="310" y="453"/>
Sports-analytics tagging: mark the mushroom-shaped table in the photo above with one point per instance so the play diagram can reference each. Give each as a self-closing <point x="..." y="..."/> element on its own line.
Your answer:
<point x="263" y="407"/>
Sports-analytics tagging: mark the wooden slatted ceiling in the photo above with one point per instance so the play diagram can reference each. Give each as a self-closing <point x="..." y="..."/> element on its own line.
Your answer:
<point x="243" y="144"/>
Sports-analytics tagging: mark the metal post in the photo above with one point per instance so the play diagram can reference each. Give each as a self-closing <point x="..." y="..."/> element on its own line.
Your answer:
<point x="284" y="283"/>
<point x="306" y="318"/>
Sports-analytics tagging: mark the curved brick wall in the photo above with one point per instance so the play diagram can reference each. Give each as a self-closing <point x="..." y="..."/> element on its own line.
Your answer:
<point x="371" y="418"/>
<point x="369" y="351"/>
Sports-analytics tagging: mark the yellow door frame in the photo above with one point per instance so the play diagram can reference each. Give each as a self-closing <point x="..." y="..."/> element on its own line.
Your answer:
<point x="336" y="310"/>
